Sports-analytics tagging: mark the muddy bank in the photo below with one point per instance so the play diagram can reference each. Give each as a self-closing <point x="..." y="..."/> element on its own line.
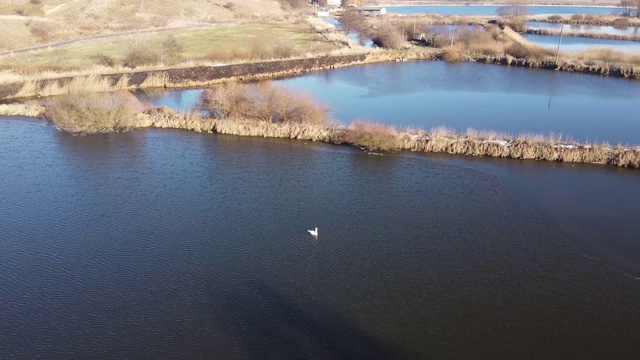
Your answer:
<point x="198" y="76"/>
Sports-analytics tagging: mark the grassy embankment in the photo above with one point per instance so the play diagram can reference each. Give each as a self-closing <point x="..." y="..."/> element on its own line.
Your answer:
<point x="137" y="36"/>
<point x="267" y="111"/>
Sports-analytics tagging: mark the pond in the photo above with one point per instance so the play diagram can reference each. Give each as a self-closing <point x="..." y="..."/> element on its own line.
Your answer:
<point x="471" y="95"/>
<point x="179" y="245"/>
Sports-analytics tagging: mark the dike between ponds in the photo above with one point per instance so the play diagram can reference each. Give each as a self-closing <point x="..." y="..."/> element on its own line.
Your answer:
<point x="203" y="76"/>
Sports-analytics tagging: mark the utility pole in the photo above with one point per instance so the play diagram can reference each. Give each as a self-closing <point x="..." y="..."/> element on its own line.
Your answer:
<point x="453" y="34"/>
<point x="559" y="42"/>
<point x="414" y="28"/>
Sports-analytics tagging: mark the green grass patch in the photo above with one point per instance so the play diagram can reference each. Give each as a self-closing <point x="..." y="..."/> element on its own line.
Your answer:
<point x="197" y="44"/>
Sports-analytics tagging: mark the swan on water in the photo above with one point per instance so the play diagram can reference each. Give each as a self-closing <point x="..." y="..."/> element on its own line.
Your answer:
<point x="313" y="232"/>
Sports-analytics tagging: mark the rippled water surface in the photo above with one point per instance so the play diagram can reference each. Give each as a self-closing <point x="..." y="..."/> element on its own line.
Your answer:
<point x="172" y="244"/>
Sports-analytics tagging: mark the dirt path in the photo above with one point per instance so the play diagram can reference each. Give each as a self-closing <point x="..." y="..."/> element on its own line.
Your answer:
<point x="69" y="42"/>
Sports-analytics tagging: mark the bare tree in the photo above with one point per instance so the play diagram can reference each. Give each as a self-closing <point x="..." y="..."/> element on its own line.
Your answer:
<point x="512" y="11"/>
<point x="630" y="8"/>
<point x="352" y="20"/>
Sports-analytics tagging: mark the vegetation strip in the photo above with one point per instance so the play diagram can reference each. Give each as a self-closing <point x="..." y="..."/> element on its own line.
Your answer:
<point x="267" y="111"/>
<point x="376" y="137"/>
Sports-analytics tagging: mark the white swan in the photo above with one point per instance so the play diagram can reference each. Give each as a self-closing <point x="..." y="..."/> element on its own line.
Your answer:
<point x="313" y="233"/>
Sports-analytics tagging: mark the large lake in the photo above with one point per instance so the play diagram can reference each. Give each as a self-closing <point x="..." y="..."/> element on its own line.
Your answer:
<point x="470" y="95"/>
<point x="173" y="244"/>
<point x="492" y="10"/>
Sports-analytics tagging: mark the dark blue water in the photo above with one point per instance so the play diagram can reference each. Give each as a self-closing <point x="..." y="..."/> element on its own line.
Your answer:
<point x="173" y="244"/>
<point x="576" y="44"/>
<point x="491" y="10"/>
<point x="467" y="95"/>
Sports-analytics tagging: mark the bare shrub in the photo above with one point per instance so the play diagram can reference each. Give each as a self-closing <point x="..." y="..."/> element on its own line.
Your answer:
<point x="141" y="55"/>
<point x="372" y="136"/>
<point x="388" y="36"/>
<point x="555" y="17"/>
<point x="518" y="26"/>
<point x="228" y="54"/>
<point x="295" y="4"/>
<point x="512" y="11"/>
<point x="527" y="52"/>
<point x="44" y="31"/>
<point x="454" y="54"/>
<point x="621" y="23"/>
<point x="171" y="51"/>
<point x="577" y="17"/>
<point x="262" y="102"/>
<point x="352" y="21"/>
<point x="260" y="48"/>
<point x="229" y="6"/>
<point x="86" y="113"/>
<point x="284" y="49"/>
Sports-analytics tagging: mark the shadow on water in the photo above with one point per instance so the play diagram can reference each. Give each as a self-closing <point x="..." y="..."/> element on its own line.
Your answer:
<point x="272" y="326"/>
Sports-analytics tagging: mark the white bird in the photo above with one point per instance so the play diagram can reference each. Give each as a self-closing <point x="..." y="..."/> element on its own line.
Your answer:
<point x="313" y="233"/>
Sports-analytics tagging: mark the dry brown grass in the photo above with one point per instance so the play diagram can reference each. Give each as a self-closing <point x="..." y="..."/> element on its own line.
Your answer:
<point x="78" y="85"/>
<point x="31" y="110"/>
<point x="83" y="113"/>
<point x="263" y="102"/>
<point x="372" y="136"/>
<point x="377" y="137"/>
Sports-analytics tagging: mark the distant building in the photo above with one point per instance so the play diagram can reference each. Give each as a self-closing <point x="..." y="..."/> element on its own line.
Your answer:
<point x="346" y="3"/>
<point x="372" y="11"/>
<point x="323" y="13"/>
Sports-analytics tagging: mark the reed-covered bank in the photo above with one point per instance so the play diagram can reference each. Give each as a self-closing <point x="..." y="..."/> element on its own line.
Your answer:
<point x="377" y="137"/>
<point x="583" y="66"/>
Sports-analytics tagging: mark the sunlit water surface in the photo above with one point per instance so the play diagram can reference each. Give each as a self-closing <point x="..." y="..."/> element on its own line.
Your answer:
<point x="459" y="96"/>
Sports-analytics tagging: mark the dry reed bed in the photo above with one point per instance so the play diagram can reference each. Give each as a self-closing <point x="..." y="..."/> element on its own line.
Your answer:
<point x="585" y="66"/>
<point x="584" y="35"/>
<point x="376" y="137"/>
<point x="590" y="21"/>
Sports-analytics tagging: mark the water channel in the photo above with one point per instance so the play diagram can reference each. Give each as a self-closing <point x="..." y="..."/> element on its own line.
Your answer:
<point x="175" y="244"/>
<point x="577" y="44"/>
<point x="586" y="29"/>
<point x="492" y="10"/>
